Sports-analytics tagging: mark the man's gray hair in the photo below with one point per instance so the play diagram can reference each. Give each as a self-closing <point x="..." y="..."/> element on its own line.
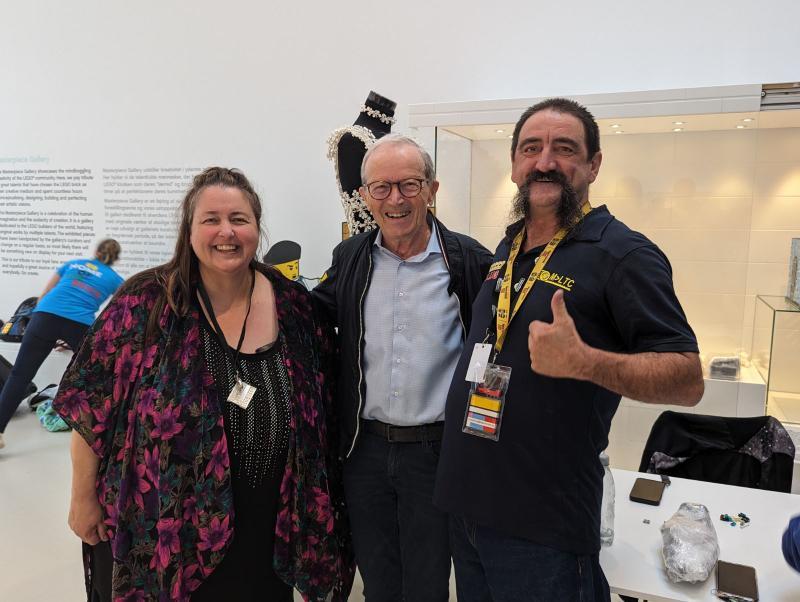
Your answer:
<point x="427" y="161"/>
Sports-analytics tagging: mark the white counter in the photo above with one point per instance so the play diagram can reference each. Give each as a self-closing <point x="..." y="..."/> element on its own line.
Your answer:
<point x="633" y="564"/>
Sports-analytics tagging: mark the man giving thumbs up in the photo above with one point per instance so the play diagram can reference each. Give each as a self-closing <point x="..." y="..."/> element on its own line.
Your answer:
<point x="576" y="311"/>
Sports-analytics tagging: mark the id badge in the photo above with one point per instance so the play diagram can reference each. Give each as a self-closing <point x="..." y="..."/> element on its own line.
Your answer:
<point x="242" y="393"/>
<point x="476" y="370"/>
<point x="486" y="402"/>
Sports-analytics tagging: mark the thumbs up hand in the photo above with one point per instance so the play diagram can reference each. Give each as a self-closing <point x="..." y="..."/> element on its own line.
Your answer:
<point x="557" y="349"/>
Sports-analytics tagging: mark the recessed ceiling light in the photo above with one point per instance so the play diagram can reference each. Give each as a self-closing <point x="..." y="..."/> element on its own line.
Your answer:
<point x="619" y="132"/>
<point x="677" y="129"/>
<point x="748" y="119"/>
<point x="499" y="131"/>
<point x="740" y="127"/>
<point x="509" y="136"/>
<point x="678" y="123"/>
<point x="615" y="125"/>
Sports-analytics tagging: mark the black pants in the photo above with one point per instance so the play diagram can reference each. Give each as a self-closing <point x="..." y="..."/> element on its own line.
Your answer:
<point x="492" y="566"/>
<point x="98" y="564"/>
<point x="40" y="336"/>
<point x="401" y="540"/>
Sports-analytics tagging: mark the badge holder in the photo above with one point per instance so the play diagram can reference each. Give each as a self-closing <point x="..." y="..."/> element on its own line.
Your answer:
<point x="242" y="393"/>
<point x="486" y="402"/>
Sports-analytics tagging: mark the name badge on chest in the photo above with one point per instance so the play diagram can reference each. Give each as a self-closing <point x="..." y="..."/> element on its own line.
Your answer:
<point x="484" y="414"/>
<point x="242" y="393"/>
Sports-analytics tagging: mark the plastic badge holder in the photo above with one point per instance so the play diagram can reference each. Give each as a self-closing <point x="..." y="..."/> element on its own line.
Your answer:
<point x="484" y="413"/>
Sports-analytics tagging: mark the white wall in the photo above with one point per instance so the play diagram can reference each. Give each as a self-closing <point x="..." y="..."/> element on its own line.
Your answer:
<point x="260" y="85"/>
<point x="453" y="164"/>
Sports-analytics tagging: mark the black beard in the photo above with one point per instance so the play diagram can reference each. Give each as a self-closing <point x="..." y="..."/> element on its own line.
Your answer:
<point x="569" y="208"/>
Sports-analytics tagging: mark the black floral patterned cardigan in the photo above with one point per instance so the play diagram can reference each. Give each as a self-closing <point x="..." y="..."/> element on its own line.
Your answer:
<point x="150" y="413"/>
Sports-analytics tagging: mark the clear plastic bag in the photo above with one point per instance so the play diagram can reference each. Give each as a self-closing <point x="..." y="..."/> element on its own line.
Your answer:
<point x="690" y="549"/>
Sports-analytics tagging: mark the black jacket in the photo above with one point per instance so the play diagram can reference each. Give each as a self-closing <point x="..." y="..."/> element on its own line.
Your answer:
<point x="340" y="296"/>
<point x="752" y="452"/>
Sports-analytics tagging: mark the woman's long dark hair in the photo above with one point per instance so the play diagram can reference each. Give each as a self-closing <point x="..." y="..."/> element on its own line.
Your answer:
<point x="178" y="276"/>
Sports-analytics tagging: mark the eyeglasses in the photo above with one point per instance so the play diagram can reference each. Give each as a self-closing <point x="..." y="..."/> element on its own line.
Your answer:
<point x="409" y="188"/>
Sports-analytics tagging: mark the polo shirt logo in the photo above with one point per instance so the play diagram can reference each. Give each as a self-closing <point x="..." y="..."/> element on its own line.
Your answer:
<point x="494" y="270"/>
<point x="557" y="280"/>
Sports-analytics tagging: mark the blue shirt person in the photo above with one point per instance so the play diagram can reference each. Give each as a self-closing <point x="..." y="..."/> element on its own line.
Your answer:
<point x="64" y="312"/>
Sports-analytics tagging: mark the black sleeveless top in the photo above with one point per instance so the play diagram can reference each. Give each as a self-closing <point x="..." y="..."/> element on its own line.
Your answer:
<point x="257" y="439"/>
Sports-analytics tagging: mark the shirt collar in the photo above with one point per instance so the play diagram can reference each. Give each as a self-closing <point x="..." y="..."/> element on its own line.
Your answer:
<point x="590" y="229"/>
<point x="433" y="244"/>
<point x="593" y="225"/>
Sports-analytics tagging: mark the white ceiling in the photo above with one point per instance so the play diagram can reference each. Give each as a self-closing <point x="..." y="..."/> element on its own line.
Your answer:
<point x="651" y="125"/>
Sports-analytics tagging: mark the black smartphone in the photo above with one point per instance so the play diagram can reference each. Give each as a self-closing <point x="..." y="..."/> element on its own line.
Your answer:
<point x="736" y="582"/>
<point x="646" y="491"/>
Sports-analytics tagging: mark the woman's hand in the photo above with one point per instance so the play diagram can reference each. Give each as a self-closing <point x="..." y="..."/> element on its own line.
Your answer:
<point x="85" y="512"/>
<point x="86" y="519"/>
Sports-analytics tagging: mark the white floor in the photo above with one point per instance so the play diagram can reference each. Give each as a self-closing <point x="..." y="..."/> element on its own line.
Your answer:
<point x="40" y="558"/>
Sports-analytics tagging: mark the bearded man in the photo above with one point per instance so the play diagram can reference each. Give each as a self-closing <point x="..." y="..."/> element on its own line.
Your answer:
<point x="577" y="310"/>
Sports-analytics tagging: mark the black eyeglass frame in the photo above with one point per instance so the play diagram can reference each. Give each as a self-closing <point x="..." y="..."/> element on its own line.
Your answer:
<point x="420" y="181"/>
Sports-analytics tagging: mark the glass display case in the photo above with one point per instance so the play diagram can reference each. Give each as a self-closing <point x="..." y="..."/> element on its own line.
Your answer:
<point x="775" y="353"/>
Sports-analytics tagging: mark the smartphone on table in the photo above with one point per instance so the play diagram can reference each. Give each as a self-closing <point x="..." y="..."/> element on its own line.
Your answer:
<point x="736" y="582"/>
<point x="647" y="491"/>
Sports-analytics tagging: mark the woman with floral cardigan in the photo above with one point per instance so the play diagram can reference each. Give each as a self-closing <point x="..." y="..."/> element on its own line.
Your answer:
<point x="203" y="461"/>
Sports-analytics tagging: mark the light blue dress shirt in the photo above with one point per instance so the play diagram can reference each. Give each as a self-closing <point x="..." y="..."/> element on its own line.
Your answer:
<point x="412" y="336"/>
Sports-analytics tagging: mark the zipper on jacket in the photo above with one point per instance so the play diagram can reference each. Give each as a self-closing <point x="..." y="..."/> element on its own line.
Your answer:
<point x="360" y="344"/>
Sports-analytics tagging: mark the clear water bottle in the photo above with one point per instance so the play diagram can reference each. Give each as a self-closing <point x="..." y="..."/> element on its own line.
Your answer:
<point x="607" y="506"/>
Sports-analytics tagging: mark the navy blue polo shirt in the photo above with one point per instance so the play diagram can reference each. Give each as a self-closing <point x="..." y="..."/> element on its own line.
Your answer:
<point x="542" y="480"/>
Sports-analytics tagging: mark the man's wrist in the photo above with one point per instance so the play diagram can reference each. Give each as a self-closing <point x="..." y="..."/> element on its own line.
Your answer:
<point x="588" y="365"/>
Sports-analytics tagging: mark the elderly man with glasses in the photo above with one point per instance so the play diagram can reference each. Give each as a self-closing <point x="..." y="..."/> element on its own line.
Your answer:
<point x="401" y="297"/>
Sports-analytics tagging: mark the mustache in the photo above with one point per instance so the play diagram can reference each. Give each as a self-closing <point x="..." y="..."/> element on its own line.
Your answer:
<point x="553" y="176"/>
<point x="568" y="212"/>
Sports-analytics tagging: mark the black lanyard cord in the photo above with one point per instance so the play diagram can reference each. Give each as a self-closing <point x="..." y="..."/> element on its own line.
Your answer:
<point x="218" y="330"/>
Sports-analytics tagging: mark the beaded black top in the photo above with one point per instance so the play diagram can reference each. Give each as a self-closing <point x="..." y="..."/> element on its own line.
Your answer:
<point x="257" y="436"/>
<point x="258" y="444"/>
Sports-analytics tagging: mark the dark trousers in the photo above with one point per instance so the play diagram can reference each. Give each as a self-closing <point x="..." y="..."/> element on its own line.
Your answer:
<point x="401" y="540"/>
<point x="40" y="336"/>
<point x="493" y="567"/>
<point x="98" y="564"/>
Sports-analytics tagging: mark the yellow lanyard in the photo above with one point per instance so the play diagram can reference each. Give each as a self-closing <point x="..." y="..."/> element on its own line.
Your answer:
<point x="504" y="302"/>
